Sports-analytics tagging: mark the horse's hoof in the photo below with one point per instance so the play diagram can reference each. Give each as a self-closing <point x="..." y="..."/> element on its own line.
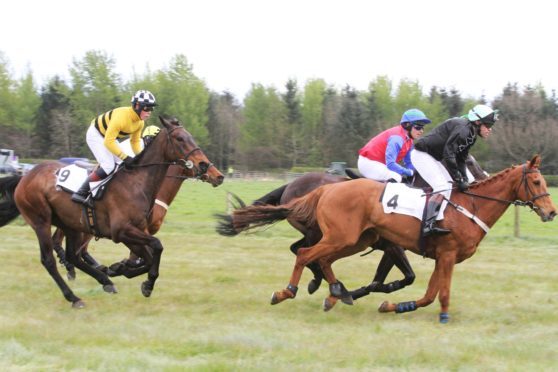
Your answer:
<point x="347" y="300"/>
<point x="71" y="274"/>
<point x="384" y="307"/>
<point x="145" y="290"/>
<point x="110" y="288"/>
<point x="274" y="299"/>
<point x="314" y="285"/>
<point x="328" y="305"/>
<point x="79" y="304"/>
<point x="444" y="318"/>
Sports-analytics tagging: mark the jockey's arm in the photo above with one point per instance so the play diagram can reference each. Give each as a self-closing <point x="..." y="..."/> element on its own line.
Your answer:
<point x="394" y="145"/>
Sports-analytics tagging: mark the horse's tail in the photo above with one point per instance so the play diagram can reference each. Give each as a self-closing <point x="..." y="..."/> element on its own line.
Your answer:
<point x="248" y="218"/>
<point x="8" y="208"/>
<point x="271" y="198"/>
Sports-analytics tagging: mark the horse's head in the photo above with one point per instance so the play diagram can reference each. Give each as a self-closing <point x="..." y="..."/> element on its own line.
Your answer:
<point x="533" y="190"/>
<point x="184" y="150"/>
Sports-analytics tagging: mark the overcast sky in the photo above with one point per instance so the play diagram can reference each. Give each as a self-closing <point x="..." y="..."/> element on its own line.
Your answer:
<point x="474" y="46"/>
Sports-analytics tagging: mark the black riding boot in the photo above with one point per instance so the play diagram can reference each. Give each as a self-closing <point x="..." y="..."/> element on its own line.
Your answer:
<point x="432" y="209"/>
<point x="80" y="196"/>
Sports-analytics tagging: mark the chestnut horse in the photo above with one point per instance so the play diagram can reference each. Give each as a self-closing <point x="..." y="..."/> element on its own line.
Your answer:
<point x="176" y="174"/>
<point x="393" y="255"/>
<point x="351" y="218"/>
<point x="121" y="215"/>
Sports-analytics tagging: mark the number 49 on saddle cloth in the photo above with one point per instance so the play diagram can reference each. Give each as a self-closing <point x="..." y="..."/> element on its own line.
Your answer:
<point x="402" y="199"/>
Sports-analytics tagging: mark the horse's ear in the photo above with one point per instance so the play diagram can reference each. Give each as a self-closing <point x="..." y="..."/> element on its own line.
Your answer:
<point x="165" y="122"/>
<point x="535" y="162"/>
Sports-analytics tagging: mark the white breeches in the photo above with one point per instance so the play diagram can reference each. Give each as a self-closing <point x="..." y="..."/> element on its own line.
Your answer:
<point x="433" y="172"/>
<point x="375" y="170"/>
<point x="106" y="159"/>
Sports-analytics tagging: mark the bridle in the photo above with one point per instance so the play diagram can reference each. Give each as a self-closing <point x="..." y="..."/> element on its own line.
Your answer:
<point x="199" y="171"/>
<point x="528" y="191"/>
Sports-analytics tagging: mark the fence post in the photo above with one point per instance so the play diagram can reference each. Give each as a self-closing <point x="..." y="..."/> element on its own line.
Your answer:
<point x="516" y="222"/>
<point x="229" y="203"/>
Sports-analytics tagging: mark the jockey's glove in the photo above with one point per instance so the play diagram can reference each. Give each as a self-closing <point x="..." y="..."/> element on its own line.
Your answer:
<point x="462" y="184"/>
<point x="128" y="162"/>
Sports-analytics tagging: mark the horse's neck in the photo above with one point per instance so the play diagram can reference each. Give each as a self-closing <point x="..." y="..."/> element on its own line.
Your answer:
<point x="503" y="189"/>
<point x="170" y="187"/>
<point x="148" y="175"/>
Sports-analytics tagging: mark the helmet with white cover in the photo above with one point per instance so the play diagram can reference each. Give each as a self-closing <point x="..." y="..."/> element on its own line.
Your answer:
<point x="483" y="113"/>
<point x="145" y="99"/>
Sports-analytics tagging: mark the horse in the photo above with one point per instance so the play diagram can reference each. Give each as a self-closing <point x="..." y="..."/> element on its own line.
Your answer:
<point x="130" y="267"/>
<point x="351" y="218"/>
<point x="121" y="215"/>
<point x="393" y="254"/>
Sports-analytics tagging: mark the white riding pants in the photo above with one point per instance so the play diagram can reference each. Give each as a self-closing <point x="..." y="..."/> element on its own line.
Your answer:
<point x="106" y="159"/>
<point x="375" y="170"/>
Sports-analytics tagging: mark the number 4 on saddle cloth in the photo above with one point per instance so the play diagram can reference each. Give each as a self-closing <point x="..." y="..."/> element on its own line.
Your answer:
<point x="71" y="177"/>
<point x="402" y="199"/>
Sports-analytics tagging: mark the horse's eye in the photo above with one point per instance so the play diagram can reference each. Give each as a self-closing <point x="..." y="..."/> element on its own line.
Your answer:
<point x="180" y="139"/>
<point x="537" y="182"/>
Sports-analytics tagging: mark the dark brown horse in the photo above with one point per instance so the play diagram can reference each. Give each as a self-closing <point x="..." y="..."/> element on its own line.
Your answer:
<point x="122" y="214"/>
<point x="351" y="218"/>
<point x="133" y="266"/>
<point x="393" y="255"/>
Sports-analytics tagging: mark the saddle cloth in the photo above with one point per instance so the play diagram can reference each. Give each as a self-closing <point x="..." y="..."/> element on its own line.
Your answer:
<point x="402" y="199"/>
<point x="71" y="177"/>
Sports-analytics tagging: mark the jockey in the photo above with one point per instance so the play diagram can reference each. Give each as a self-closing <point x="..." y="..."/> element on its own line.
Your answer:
<point x="449" y="142"/>
<point x="379" y="159"/>
<point x="106" y="128"/>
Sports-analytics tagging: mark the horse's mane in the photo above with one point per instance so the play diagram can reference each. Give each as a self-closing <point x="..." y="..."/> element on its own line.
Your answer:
<point x="493" y="178"/>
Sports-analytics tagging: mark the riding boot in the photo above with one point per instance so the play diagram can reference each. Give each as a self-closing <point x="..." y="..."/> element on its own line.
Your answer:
<point x="432" y="209"/>
<point x="81" y="195"/>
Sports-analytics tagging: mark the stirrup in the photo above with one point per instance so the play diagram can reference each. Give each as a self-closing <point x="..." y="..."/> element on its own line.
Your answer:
<point x="80" y="199"/>
<point x="434" y="230"/>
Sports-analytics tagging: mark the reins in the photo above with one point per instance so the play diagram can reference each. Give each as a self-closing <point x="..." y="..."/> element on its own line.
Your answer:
<point x="520" y="203"/>
<point x="187" y="164"/>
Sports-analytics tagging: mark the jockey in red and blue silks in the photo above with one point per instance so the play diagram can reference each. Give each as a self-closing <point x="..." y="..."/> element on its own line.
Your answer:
<point x="380" y="158"/>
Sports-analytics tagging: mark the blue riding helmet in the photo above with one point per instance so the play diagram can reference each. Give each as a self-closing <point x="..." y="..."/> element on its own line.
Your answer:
<point x="414" y="117"/>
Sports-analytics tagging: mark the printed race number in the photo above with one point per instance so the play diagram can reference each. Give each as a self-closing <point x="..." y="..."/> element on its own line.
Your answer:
<point x="392" y="203"/>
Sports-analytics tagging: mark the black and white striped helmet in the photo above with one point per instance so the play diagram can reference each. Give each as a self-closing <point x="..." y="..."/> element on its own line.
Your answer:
<point x="144" y="98"/>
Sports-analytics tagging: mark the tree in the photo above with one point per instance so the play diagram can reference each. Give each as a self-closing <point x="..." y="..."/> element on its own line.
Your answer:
<point x="264" y="134"/>
<point x="57" y="136"/>
<point x="182" y="94"/>
<point x="224" y="118"/>
<point x="526" y="128"/>
<point x="311" y="134"/>
<point x="292" y="104"/>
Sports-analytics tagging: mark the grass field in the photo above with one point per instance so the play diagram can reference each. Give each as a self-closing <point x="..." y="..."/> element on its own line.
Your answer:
<point x="210" y="308"/>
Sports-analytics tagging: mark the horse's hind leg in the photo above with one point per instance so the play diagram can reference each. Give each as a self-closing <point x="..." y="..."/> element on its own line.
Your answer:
<point x="393" y="255"/>
<point x="49" y="262"/>
<point x="315" y="283"/>
<point x="75" y="239"/>
<point x="57" y="238"/>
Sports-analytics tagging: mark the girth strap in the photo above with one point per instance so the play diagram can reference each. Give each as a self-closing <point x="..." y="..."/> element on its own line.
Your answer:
<point x="471" y="216"/>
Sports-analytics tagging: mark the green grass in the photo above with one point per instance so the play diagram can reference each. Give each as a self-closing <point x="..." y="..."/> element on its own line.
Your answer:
<point x="210" y="308"/>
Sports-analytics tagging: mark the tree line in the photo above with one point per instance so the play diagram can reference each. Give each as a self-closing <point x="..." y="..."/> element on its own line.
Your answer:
<point x="300" y="127"/>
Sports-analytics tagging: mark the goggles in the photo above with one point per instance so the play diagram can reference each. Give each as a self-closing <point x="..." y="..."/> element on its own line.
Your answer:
<point x="148" y="108"/>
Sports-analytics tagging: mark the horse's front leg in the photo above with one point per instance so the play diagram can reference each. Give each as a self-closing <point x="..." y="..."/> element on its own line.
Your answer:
<point x="139" y="262"/>
<point x="132" y="236"/>
<point x="440" y="282"/>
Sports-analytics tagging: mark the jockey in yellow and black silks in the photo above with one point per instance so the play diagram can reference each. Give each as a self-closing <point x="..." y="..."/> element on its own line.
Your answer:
<point x="103" y="133"/>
